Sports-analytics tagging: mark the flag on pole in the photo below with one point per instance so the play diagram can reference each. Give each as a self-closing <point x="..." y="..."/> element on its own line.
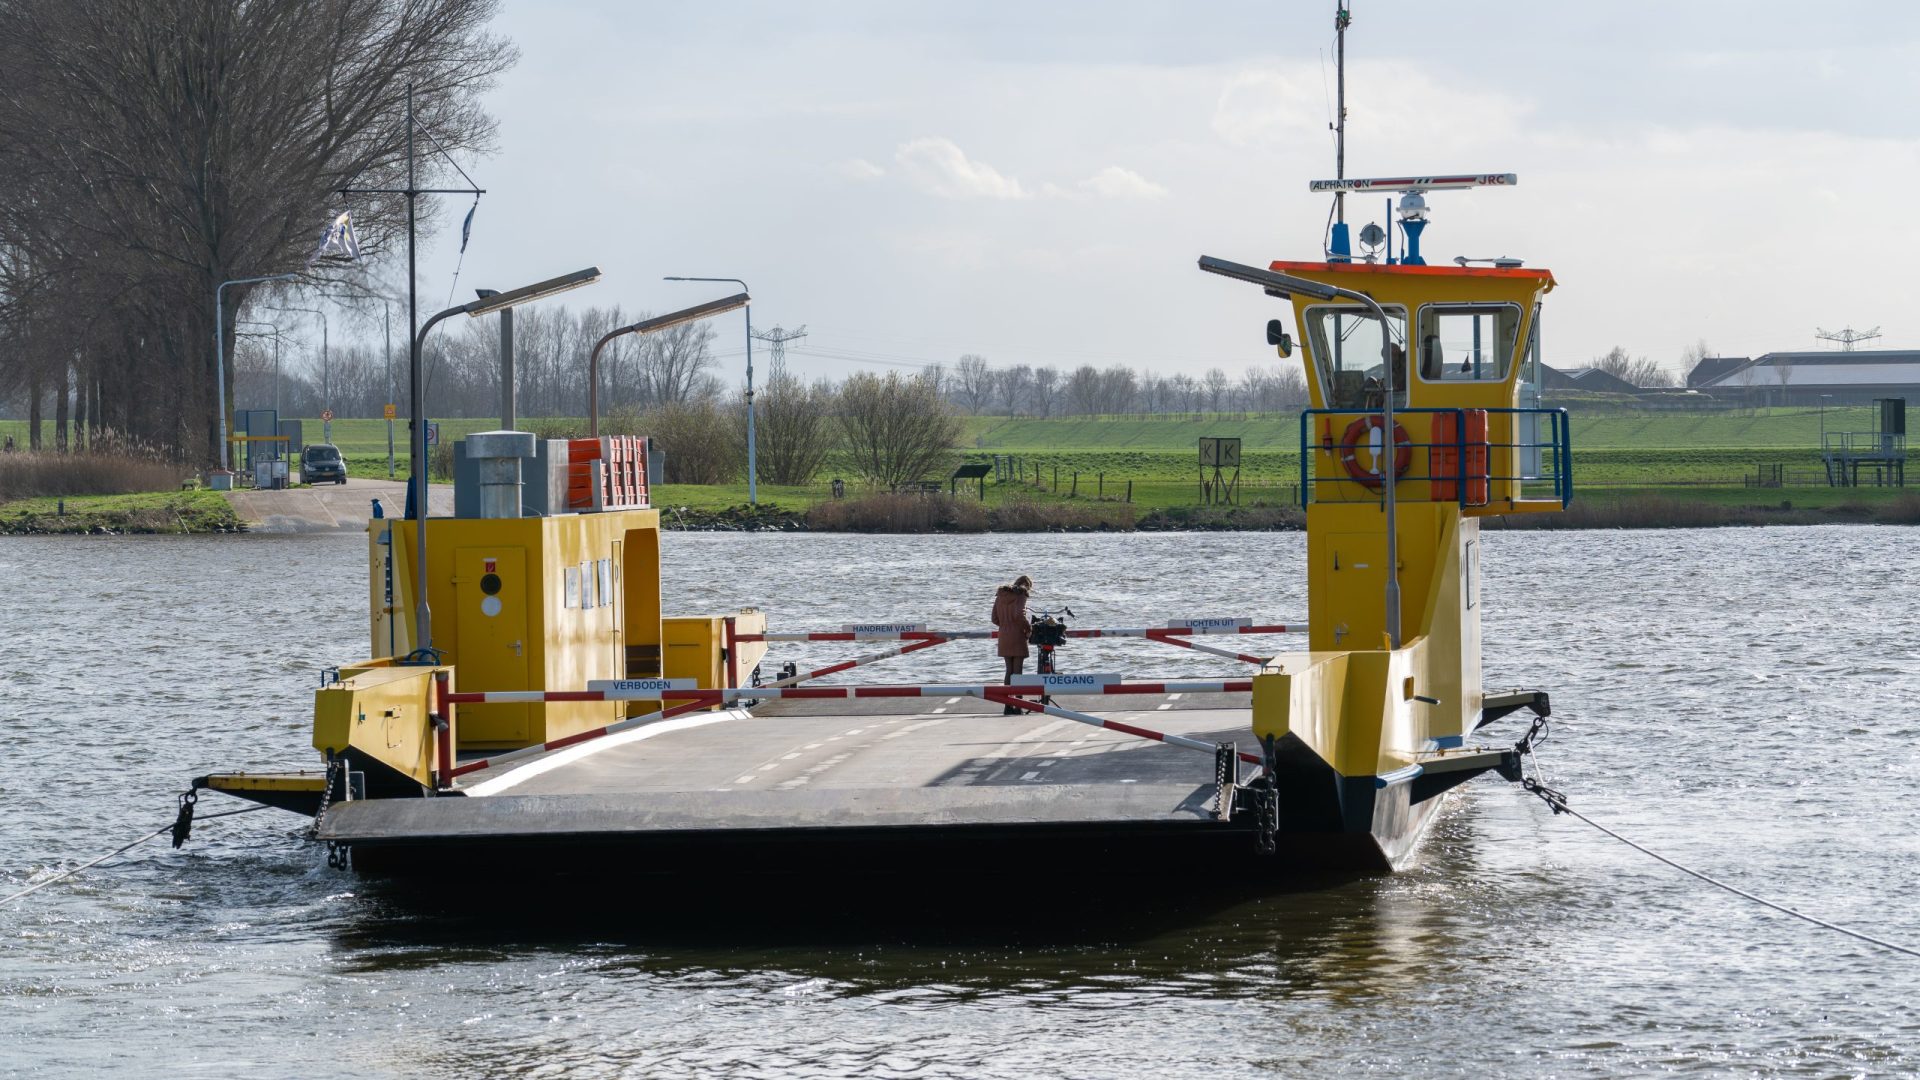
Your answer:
<point x="466" y="227"/>
<point x="338" y="242"/>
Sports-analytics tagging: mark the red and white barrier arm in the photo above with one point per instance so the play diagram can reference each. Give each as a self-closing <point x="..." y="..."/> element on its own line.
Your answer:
<point x="1213" y="650"/>
<point x="1003" y="695"/>
<point x="570" y="740"/>
<point x="656" y="693"/>
<point x="856" y="662"/>
<point x="1091" y="632"/>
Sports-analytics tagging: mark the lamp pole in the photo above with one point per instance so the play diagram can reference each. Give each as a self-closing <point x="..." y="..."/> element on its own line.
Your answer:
<point x="1823" y="421"/>
<point x="220" y="351"/>
<point x="648" y="326"/>
<point x="487" y="305"/>
<point x="1283" y="286"/>
<point x="326" y="370"/>
<point x="506" y="360"/>
<point x="753" y="477"/>
<point x="276" y="374"/>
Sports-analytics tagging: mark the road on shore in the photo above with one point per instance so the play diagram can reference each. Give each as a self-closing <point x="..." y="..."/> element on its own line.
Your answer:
<point x="329" y="508"/>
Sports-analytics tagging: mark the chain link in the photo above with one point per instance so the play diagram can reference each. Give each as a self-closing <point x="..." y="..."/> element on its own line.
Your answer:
<point x="326" y="795"/>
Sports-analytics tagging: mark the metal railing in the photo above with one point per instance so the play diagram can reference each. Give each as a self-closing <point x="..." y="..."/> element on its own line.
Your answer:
<point x="1546" y="459"/>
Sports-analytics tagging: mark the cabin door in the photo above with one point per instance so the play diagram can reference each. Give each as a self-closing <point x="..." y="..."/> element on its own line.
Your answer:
<point x="491" y="591"/>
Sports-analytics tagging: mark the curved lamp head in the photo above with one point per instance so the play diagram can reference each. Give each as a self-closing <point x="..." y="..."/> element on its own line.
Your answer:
<point x="487" y="305"/>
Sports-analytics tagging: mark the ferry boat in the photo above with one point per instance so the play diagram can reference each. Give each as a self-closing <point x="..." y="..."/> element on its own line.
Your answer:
<point x="529" y="707"/>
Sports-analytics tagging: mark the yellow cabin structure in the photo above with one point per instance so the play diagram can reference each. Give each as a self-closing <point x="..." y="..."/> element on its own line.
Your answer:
<point x="1381" y="711"/>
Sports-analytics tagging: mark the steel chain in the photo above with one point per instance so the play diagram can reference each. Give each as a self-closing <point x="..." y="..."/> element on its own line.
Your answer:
<point x="1222" y="755"/>
<point x="1268" y="808"/>
<point x="326" y="798"/>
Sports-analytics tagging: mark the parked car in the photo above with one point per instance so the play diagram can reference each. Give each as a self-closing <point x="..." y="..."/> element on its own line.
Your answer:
<point x="322" y="461"/>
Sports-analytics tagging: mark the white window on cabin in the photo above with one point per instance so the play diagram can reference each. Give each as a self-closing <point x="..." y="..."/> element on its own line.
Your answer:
<point x="1467" y="342"/>
<point x="1346" y="342"/>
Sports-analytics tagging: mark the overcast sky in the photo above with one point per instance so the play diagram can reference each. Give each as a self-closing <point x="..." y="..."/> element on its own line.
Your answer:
<point x="1033" y="181"/>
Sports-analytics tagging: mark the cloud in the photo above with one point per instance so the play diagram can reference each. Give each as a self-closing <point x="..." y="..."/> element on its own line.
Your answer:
<point x="939" y="167"/>
<point x="1114" y="182"/>
<point x="859" y="170"/>
<point x="1403" y="108"/>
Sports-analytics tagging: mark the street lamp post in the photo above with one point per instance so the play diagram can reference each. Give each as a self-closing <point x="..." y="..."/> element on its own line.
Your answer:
<point x="1283" y="286"/>
<point x="220" y="351"/>
<point x="326" y="371"/>
<point x="422" y="613"/>
<point x="276" y="374"/>
<point x="753" y="489"/>
<point x="649" y="326"/>
<point x="506" y="360"/>
<point x="1823" y="421"/>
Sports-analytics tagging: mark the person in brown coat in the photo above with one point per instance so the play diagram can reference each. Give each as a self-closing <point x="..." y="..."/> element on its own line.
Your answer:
<point x="1010" y="618"/>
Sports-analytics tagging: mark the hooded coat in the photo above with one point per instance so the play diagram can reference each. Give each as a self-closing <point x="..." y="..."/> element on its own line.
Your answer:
<point x="1010" y="618"/>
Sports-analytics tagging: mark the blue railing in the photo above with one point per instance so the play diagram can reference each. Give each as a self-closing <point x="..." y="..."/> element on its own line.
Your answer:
<point x="1545" y="459"/>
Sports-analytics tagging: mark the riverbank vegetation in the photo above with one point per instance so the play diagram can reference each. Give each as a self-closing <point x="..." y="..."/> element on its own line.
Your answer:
<point x="31" y="475"/>
<point x="149" y="512"/>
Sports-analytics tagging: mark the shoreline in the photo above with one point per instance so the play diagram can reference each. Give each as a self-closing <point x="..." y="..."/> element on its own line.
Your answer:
<point x="1629" y="512"/>
<point x="211" y="513"/>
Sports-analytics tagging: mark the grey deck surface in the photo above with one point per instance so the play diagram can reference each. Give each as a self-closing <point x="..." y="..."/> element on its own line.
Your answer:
<point x="827" y="764"/>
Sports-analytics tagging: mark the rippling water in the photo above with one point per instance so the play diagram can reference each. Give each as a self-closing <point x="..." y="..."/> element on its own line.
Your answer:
<point x="1740" y="699"/>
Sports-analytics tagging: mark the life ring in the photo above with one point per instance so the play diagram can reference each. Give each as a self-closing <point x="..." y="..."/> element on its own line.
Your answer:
<point x="1358" y="430"/>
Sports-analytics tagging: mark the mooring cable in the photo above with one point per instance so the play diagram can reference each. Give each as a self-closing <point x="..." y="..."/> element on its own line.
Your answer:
<point x="1558" y="803"/>
<point x="167" y="828"/>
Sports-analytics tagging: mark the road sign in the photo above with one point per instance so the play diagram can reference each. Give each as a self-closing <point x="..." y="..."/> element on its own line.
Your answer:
<point x="326" y="414"/>
<point x="392" y="412"/>
<point x="1221" y="453"/>
<point x="433" y="433"/>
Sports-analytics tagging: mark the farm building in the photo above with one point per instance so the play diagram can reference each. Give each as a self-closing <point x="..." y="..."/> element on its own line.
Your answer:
<point x="1808" y="378"/>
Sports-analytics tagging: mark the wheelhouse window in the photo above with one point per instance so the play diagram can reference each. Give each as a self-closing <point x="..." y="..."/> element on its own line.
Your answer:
<point x="1346" y="354"/>
<point x="1468" y="342"/>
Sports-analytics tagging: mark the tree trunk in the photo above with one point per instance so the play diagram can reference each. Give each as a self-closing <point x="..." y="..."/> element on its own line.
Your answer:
<point x="81" y="432"/>
<point x="33" y="411"/>
<point x="62" y="411"/>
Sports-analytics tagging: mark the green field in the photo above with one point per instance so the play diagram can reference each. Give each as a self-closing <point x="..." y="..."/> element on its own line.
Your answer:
<point x="1775" y="428"/>
<point x="1158" y="454"/>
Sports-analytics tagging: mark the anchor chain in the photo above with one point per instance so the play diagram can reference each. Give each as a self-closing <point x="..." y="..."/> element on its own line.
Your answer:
<point x="183" y="821"/>
<point x="326" y="794"/>
<point x="1226" y="777"/>
<point x="1266" y="805"/>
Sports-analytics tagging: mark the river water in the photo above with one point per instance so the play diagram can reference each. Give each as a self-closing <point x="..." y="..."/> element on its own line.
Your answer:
<point x="1742" y="700"/>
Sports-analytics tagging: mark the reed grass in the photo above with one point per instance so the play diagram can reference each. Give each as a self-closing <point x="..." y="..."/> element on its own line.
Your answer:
<point x="43" y="475"/>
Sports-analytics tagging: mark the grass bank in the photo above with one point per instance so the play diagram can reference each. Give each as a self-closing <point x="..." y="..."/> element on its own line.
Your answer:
<point x="147" y="512"/>
<point x="1725" y="507"/>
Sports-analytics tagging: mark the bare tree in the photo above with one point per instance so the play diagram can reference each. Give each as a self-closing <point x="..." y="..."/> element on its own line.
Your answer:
<point x="792" y="427"/>
<point x="1783" y="370"/>
<point x="896" y="429"/>
<point x="1186" y="389"/>
<point x="1118" y="388"/>
<point x="151" y="149"/>
<point x="1046" y="389"/>
<point x="973" y="382"/>
<point x="698" y="440"/>
<point x="1216" y="382"/>
<point x="1641" y="372"/>
<point x="1693" y="356"/>
<point x="1015" y="383"/>
<point x="1083" y="390"/>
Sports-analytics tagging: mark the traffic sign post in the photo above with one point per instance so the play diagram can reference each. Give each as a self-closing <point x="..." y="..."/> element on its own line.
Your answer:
<point x="433" y="433"/>
<point x="391" y="413"/>
<point x="326" y="425"/>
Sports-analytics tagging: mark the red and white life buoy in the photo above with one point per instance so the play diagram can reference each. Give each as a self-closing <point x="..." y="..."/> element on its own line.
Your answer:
<point x="1358" y="431"/>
